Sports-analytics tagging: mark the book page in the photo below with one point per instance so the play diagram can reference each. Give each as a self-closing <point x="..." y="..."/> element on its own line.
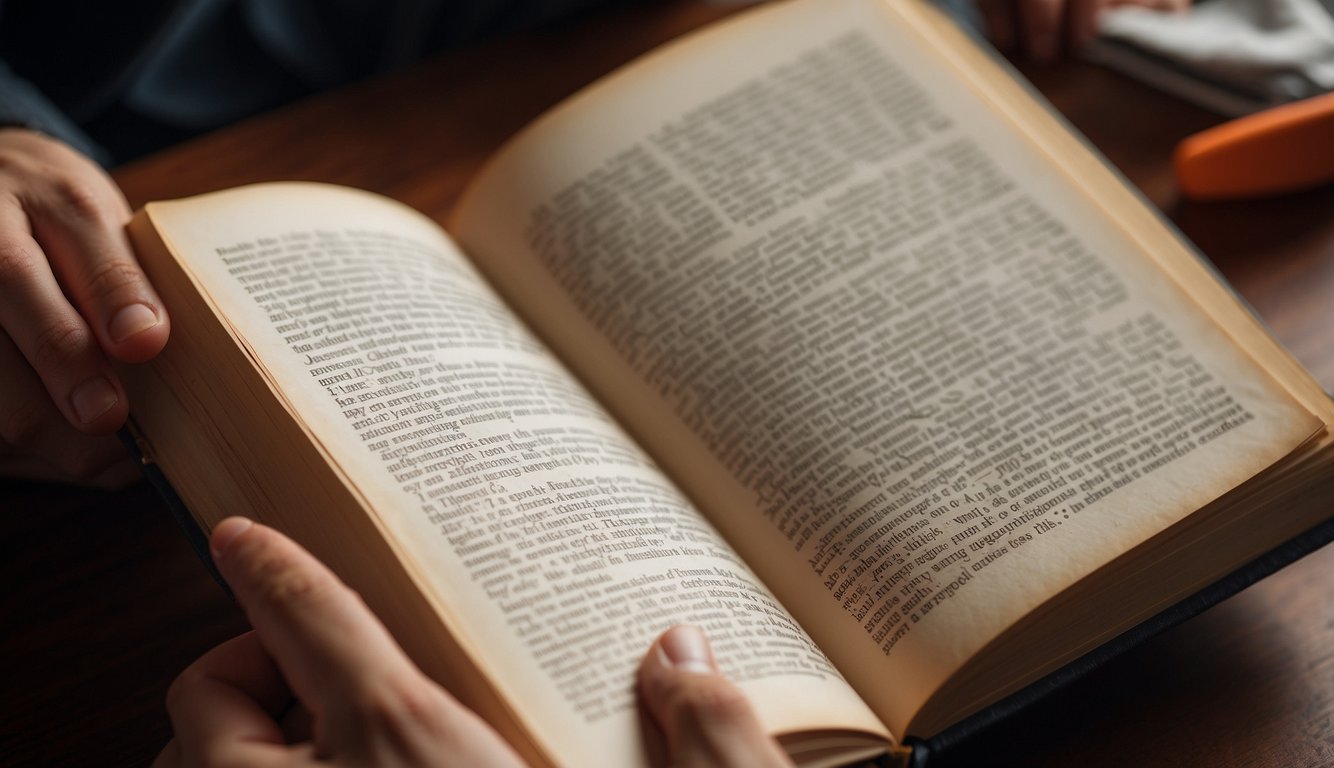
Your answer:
<point x="919" y="380"/>
<point x="553" y="548"/>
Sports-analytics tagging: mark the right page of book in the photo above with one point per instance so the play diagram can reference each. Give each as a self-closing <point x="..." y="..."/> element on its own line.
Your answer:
<point x="914" y="372"/>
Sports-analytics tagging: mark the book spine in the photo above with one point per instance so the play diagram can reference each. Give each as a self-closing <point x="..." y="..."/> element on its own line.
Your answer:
<point x="142" y="452"/>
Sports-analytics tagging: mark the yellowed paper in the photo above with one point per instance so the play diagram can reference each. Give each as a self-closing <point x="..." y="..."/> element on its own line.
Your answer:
<point x="903" y="363"/>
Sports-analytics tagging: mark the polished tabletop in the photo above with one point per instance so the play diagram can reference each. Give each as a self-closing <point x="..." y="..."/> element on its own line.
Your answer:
<point x="103" y="602"/>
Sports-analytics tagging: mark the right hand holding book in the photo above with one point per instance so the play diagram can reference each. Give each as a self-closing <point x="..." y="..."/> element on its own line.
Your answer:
<point x="320" y="681"/>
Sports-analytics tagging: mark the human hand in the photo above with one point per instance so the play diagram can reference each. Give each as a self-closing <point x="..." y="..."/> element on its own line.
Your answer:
<point x="1045" y="26"/>
<point x="320" y="681"/>
<point x="702" y="719"/>
<point x="72" y="298"/>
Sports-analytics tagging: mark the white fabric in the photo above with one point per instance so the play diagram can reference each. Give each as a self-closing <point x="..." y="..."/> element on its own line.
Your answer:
<point x="1233" y="56"/>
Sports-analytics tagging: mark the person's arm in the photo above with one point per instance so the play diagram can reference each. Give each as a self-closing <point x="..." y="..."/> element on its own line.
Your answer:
<point x="320" y="681"/>
<point x="72" y="300"/>
<point x="23" y="105"/>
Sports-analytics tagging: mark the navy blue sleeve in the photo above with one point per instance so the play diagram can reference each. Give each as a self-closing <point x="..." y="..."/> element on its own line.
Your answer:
<point x="23" y="105"/>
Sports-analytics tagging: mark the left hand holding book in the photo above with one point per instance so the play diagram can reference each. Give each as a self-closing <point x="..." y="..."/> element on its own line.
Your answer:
<point x="320" y="680"/>
<point x="73" y="301"/>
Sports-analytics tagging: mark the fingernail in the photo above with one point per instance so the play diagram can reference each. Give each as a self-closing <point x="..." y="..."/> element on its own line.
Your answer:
<point x="93" y="398"/>
<point x="226" y="533"/>
<point x="685" y="648"/>
<point x="131" y="320"/>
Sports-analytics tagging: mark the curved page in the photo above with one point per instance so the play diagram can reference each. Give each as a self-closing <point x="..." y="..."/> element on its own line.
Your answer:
<point x="552" y="547"/>
<point x="920" y="380"/>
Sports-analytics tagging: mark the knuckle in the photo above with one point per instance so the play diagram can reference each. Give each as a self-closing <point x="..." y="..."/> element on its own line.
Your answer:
<point x="405" y="707"/>
<point x="419" y="703"/>
<point x="78" y="197"/>
<point x="281" y="583"/>
<point x="58" y="344"/>
<point x="16" y="262"/>
<point x="111" y="277"/>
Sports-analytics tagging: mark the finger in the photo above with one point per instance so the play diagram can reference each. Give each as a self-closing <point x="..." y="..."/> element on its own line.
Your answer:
<point x="369" y="703"/>
<point x="54" y="340"/>
<point x="1084" y="21"/>
<point x="339" y="660"/>
<point x="1041" y="23"/>
<point x="325" y="640"/>
<point x="1000" y="19"/>
<point x="704" y="718"/>
<point x="78" y="217"/>
<point x="36" y="442"/>
<point x="223" y="707"/>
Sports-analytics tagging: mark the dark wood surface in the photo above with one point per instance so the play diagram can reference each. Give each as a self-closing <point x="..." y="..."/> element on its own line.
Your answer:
<point x="103" y="602"/>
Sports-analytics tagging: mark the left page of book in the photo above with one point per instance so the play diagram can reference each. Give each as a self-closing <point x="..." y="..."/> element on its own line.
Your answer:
<point x="543" y="538"/>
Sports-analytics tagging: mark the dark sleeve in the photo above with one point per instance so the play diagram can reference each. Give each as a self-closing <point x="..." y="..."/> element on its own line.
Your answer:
<point x="23" y="105"/>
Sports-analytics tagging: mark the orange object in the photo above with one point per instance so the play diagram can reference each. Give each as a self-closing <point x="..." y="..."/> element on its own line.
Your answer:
<point x="1283" y="149"/>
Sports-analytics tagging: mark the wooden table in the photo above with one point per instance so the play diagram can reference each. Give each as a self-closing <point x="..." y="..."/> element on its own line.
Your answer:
<point x="103" y="602"/>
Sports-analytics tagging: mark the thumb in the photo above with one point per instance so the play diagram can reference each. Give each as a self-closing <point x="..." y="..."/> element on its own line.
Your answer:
<point x="704" y="718"/>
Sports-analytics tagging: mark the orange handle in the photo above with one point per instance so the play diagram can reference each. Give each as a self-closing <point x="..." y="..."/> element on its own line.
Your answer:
<point x="1283" y="149"/>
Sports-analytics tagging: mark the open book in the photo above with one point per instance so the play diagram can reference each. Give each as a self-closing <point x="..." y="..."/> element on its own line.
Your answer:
<point x="813" y="330"/>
